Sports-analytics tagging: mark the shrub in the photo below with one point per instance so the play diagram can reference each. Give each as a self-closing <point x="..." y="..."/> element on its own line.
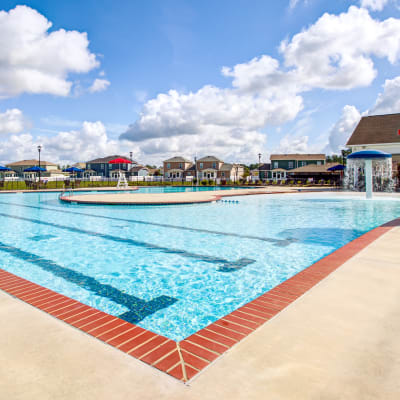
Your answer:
<point x="204" y="182"/>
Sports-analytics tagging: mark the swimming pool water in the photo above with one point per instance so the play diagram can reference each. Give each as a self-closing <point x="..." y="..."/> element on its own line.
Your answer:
<point x="175" y="269"/>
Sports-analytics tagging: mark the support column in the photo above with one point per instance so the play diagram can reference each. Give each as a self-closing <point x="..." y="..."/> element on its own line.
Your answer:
<point x="368" y="178"/>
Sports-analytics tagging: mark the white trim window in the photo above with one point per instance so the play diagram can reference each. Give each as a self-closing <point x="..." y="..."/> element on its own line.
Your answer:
<point x="276" y="164"/>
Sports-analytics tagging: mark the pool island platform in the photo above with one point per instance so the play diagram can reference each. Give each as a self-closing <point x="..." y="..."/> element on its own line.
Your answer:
<point x="206" y="196"/>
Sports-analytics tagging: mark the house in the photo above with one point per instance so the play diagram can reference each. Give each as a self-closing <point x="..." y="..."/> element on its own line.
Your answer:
<point x="291" y="161"/>
<point x="101" y="166"/>
<point x="20" y="166"/>
<point x="314" y="172"/>
<point x="282" y="163"/>
<point x="175" y="167"/>
<point x="261" y="173"/>
<point x="139" y="170"/>
<point x="210" y="167"/>
<point x="378" y="132"/>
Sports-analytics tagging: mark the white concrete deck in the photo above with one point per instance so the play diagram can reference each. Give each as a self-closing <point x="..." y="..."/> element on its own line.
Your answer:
<point x="339" y="341"/>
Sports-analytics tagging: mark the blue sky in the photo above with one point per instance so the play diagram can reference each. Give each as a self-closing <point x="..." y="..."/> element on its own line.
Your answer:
<point x="144" y="49"/>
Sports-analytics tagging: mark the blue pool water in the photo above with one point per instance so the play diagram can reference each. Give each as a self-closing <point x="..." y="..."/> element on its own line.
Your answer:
<point x="175" y="269"/>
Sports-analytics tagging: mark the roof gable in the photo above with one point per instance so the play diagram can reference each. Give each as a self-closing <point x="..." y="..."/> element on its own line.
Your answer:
<point x="178" y="159"/>
<point x="107" y="159"/>
<point x="31" y="163"/>
<point x="209" y="158"/>
<point x="376" y="129"/>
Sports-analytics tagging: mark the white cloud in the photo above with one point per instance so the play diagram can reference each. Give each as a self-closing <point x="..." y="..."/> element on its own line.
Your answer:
<point x="294" y="3"/>
<point x="12" y="121"/>
<point x="342" y="129"/>
<point x="99" y="85"/>
<point x="388" y="101"/>
<point x="335" y="53"/>
<point x="32" y="60"/>
<point x="374" y="5"/>
<point x="291" y="144"/>
<point x="90" y="141"/>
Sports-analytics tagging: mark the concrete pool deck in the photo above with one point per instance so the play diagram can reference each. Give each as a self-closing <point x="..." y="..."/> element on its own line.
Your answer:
<point x="338" y="341"/>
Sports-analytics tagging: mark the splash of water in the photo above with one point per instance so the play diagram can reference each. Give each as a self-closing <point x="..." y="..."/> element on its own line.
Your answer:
<point x="382" y="178"/>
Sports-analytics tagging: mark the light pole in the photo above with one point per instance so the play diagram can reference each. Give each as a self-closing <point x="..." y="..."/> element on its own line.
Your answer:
<point x="39" y="148"/>
<point x="259" y="165"/>
<point x="195" y="170"/>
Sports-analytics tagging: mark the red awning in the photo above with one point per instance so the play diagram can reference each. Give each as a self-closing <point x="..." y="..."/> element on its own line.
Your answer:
<point x="120" y="161"/>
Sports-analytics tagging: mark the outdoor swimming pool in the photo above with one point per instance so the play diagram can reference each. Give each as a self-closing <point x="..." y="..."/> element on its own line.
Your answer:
<point x="175" y="269"/>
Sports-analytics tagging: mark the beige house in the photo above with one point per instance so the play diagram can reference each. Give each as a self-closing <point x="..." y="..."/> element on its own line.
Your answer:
<point x="211" y="167"/>
<point x="378" y="132"/>
<point x="175" y="167"/>
<point x="20" y="166"/>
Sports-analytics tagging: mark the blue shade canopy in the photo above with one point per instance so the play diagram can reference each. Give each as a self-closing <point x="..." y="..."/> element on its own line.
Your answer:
<point x="338" y="167"/>
<point x="4" y="168"/>
<point x="34" y="169"/>
<point x="73" y="169"/>
<point x="369" y="154"/>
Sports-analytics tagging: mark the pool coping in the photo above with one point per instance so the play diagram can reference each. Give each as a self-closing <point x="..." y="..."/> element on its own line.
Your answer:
<point x="186" y="359"/>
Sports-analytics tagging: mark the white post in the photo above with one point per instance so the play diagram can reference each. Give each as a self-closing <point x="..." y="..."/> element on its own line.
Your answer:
<point x="368" y="178"/>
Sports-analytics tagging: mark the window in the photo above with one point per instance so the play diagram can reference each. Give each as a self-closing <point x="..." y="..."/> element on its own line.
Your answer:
<point x="214" y="165"/>
<point x="319" y="163"/>
<point x="201" y="165"/>
<point x="168" y="165"/>
<point x="180" y="165"/>
<point x="212" y="174"/>
<point x="276" y="164"/>
<point x="88" y="166"/>
<point x="102" y="166"/>
<point x="222" y="173"/>
<point x="290" y="164"/>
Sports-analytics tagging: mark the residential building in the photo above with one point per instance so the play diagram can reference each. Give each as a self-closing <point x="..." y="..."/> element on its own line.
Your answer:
<point x="378" y="132"/>
<point x="139" y="170"/>
<point x="101" y="166"/>
<point x="20" y="166"/>
<point x="291" y="161"/>
<point x="261" y="173"/>
<point x="314" y="172"/>
<point x="282" y="163"/>
<point x="213" y="168"/>
<point x="175" y="167"/>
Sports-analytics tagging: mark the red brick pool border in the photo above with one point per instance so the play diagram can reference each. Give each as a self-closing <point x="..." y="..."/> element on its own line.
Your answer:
<point x="185" y="359"/>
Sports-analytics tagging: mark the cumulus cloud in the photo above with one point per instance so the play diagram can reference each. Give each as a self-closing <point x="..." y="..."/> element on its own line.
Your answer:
<point x="34" y="60"/>
<point x="388" y="101"/>
<point x="99" y="85"/>
<point x="88" y="142"/>
<point x="290" y="144"/>
<point x="12" y="121"/>
<point x="374" y="5"/>
<point x="335" y="53"/>
<point x="343" y="128"/>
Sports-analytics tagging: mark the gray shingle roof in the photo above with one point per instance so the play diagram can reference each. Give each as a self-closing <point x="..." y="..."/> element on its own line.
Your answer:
<point x="178" y="159"/>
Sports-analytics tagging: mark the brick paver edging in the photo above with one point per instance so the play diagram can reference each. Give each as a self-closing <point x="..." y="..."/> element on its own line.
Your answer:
<point x="185" y="359"/>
